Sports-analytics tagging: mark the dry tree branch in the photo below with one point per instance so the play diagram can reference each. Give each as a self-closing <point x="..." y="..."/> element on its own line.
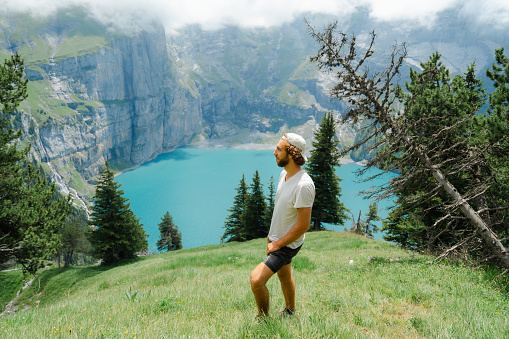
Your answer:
<point x="448" y="251"/>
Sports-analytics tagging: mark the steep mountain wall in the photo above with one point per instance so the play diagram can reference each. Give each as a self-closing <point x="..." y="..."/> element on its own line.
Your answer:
<point x="125" y="99"/>
<point x="120" y="103"/>
<point x="140" y="111"/>
<point x="257" y="79"/>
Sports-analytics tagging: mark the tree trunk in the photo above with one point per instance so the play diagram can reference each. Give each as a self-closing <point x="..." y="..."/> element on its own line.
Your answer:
<point x="355" y="225"/>
<point x="489" y="237"/>
<point x="491" y="240"/>
<point x="317" y="225"/>
<point x="68" y="258"/>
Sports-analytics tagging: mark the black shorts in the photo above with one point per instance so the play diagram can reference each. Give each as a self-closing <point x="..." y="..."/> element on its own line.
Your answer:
<point x="281" y="257"/>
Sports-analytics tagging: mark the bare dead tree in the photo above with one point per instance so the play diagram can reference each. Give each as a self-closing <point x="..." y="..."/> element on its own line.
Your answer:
<point x="415" y="147"/>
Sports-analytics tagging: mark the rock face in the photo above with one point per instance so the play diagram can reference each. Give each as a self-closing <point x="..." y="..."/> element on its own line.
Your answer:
<point x="255" y="79"/>
<point x="137" y="109"/>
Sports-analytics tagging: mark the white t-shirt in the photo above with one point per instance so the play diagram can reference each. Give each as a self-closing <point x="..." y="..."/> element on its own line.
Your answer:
<point x="296" y="192"/>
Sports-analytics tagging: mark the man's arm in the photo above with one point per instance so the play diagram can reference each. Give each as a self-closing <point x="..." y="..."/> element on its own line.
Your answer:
<point x="301" y="227"/>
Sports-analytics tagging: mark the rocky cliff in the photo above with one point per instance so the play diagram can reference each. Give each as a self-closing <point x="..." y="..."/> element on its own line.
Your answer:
<point x="256" y="79"/>
<point x="120" y="102"/>
<point x="139" y="110"/>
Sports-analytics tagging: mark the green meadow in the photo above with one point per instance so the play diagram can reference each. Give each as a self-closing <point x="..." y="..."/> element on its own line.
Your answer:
<point x="348" y="286"/>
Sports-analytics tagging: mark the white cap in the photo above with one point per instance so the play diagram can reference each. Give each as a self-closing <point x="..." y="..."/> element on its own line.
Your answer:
<point x="296" y="141"/>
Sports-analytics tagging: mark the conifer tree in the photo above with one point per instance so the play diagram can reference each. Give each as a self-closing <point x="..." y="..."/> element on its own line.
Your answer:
<point x="270" y="203"/>
<point x="233" y="224"/>
<point x="170" y="236"/>
<point x="117" y="234"/>
<point x="369" y="227"/>
<point x="31" y="211"/>
<point x="435" y="106"/>
<point x="325" y="155"/>
<point x="499" y="74"/>
<point x="433" y="143"/>
<point x="253" y="214"/>
<point x="366" y="227"/>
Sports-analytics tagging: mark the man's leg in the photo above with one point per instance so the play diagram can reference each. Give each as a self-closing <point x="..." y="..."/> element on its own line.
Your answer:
<point x="259" y="277"/>
<point x="287" y="285"/>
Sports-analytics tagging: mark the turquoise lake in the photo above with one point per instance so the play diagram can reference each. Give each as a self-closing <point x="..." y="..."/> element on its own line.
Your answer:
<point x="197" y="186"/>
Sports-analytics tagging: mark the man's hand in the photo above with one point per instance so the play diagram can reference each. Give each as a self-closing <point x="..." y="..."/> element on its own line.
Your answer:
<point x="272" y="246"/>
<point x="301" y="227"/>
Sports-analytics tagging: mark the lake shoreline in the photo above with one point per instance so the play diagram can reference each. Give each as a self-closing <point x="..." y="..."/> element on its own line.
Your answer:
<point x="222" y="143"/>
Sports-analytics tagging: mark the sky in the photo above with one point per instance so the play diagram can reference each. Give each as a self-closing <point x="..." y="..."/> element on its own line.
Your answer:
<point x="214" y="14"/>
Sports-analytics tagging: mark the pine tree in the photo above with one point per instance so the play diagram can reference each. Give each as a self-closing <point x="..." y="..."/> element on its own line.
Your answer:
<point x="499" y="74"/>
<point x="31" y="210"/>
<point x="270" y="203"/>
<point x="441" y="156"/>
<point x="117" y="234"/>
<point x="233" y="224"/>
<point x="325" y="155"/>
<point x="171" y="238"/>
<point x="74" y="240"/>
<point x="497" y="133"/>
<point x="366" y="227"/>
<point x="253" y="214"/>
<point x="369" y="227"/>
<point x="435" y="102"/>
<point x="75" y="247"/>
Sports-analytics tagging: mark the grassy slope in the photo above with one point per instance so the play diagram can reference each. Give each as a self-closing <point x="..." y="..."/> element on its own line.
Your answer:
<point x="10" y="283"/>
<point x="204" y="292"/>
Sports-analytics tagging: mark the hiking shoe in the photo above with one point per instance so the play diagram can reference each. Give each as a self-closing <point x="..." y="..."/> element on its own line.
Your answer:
<point x="261" y="318"/>
<point x="287" y="312"/>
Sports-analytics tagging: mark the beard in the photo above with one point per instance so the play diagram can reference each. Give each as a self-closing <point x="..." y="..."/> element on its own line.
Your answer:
<point x="283" y="161"/>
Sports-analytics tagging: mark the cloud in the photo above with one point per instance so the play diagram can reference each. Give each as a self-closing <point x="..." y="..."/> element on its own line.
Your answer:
<point x="491" y="13"/>
<point x="174" y="14"/>
<point x="423" y="13"/>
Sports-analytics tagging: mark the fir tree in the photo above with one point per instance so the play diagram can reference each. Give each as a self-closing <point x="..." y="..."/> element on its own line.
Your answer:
<point x="171" y="238"/>
<point x="366" y="227"/>
<point x="253" y="214"/>
<point x="369" y="227"/>
<point x="270" y="203"/>
<point x="233" y="224"/>
<point x="435" y="102"/>
<point x="117" y="234"/>
<point x="499" y="74"/>
<point x="325" y="155"/>
<point x="31" y="211"/>
<point x="444" y="161"/>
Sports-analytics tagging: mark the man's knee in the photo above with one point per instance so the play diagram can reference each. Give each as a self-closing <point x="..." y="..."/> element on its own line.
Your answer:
<point x="257" y="280"/>
<point x="259" y="276"/>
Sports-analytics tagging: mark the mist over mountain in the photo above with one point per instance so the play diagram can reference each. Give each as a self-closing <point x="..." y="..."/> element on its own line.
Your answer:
<point x="98" y="93"/>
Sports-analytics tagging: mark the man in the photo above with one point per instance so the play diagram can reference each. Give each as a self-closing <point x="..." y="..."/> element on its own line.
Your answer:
<point x="290" y="221"/>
